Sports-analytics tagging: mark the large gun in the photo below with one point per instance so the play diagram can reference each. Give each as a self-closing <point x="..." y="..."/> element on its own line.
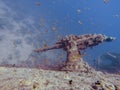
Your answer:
<point x="91" y="40"/>
<point x="72" y="44"/>
<point x="82" y="42"/>
<point x="58" y="46"/>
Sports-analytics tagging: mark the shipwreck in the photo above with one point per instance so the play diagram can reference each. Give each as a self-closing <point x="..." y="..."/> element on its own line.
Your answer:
<point x="73" y="45"/>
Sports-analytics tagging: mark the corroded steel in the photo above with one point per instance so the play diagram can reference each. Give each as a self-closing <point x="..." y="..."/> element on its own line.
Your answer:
<point x="73" y="44"/>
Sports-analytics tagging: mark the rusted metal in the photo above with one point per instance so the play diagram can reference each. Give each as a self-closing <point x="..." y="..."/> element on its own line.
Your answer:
<point x="73" y="44"/>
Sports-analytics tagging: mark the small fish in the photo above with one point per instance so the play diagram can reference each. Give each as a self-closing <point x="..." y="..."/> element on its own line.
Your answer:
<point x="38" y="3"/>
<point x="45" y="45"/>
<point x="28" y="33"/>
<point x="80" y="22"/>
<point x="54" y="28"/>
<point x="46" y="61"/>
<point x="46" y="31"/>
<point x="106" y="1"/>
<point x="33" y="58"/>
<point x="59" y="36"/>
<point x="111" y="55"/>
<point x="78" y="11"/>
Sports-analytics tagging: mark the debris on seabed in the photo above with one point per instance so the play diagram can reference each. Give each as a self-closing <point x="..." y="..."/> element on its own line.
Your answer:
<point x="39" y="79"/>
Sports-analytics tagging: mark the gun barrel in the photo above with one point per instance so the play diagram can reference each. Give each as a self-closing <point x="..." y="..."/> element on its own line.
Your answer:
<point x="48" y="48"/>
<point x="109" y="39"/>
<point x="82" y="42"/>
<point x="90" y="42"/>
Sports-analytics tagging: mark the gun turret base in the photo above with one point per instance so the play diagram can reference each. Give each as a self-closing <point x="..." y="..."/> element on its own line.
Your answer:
<point x="79" y="66"/>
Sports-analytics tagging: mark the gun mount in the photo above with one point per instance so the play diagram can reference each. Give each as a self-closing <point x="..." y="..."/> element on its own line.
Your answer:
<point x="73" y="44"/>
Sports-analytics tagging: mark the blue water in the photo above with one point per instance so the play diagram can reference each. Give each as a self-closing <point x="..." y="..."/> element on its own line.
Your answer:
<point x="37" y="22"/>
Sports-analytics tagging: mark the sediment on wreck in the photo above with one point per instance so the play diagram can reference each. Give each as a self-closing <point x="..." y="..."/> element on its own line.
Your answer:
<point x="75" y="62"/>
<point x="73" y="44"/>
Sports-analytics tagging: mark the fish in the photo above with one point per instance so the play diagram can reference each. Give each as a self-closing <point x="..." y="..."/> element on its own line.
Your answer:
<point x="108" y="53"/>
<point x="106" y="1"/>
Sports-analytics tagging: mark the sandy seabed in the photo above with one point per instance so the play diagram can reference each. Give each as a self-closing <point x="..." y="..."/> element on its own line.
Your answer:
<point x="38" y="79"/>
